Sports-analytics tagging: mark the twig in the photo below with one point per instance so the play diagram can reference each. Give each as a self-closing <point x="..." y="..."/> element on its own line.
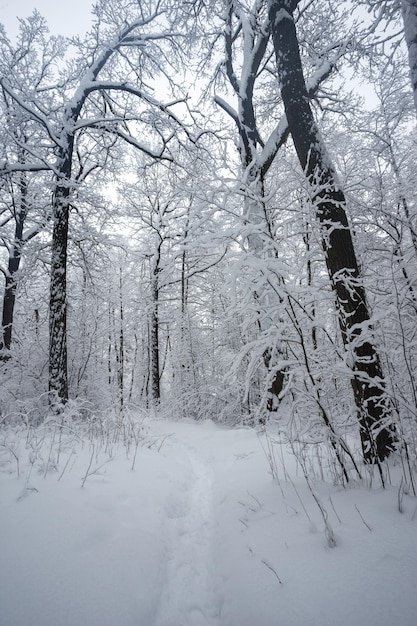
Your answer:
<point x="273" y="570"/>
<point x="16" y="458"/>
<point x="96" y="469"/>
<point x="66" y="465"/>
<point x="360" y="515"/>
<point x="335" y="512"/>
<point x="256" y="499"/>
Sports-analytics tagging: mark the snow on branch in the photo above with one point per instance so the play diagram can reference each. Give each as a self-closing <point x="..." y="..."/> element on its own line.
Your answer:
<point x="32" y="112"/>
<point x="8" y="168"/>
<point x="134" y="142"/>
<point x="228" y="109"/>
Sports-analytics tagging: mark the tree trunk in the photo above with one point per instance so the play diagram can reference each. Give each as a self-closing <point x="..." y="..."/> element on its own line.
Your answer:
<point x="254" y="168"/>
<point x="154" y="336"/>
<point x="58" y="363"/>
<point x="9" y="298"/>
<point x="8" y="304"/>
<point x="377" y="436"/>
<point x="409" y="11"/>
<point x="120" y="368"/>
<point x="15" y="255"/>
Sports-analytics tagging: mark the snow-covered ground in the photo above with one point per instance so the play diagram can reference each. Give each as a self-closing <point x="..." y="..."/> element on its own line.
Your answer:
<point x="198" y="533"/>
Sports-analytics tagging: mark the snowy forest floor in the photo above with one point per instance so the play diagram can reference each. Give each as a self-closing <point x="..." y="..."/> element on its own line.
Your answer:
<point x="182" y="524"/>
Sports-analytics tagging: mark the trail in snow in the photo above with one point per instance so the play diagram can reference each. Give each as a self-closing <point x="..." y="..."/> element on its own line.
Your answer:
<point x="191" y="596"/>
<point x="198" y="534"/>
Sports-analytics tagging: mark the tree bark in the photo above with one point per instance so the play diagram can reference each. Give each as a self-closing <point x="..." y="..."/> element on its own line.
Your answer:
<point x="409" y="12"/>
<point x="154" y="329"/>
<point x="154" y="339"/>
<point x="58" y="363"/>
<point x="9" y="298"/>
<point x="377" y="435"/>
<point x="15" y="256"/>
<point x="121" y="360"/>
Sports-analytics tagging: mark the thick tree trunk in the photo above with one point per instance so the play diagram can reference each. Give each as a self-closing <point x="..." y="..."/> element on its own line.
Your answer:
<point x="409" y="11"/>
<point x="58" y="363"/>
<point x="377" y="435"/>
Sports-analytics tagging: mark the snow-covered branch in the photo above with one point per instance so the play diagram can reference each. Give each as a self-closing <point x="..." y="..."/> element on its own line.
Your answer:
<point x="8" y="168"/>
<point x="35" y="115"/>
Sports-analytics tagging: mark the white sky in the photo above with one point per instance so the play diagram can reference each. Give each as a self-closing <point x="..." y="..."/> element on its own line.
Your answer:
<point x="65" y="17"/>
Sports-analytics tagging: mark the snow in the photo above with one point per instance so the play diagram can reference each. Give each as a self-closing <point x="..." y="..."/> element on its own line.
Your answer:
<point x="184" y="525"/>
<point x="409" y="11"/>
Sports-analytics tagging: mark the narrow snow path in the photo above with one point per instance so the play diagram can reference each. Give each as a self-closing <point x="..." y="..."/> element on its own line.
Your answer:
<point x="190" y="529"/>
<point x="190" y="596"/>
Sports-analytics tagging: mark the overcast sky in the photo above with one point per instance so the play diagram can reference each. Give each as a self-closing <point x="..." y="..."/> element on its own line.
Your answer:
<point x="65" y="17"/>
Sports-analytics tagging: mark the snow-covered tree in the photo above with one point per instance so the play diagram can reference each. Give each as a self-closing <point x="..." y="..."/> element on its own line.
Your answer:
<point x="409" y="12"/>
<point x="377" y="434"/>
<point x="29" y="68"/>
<point x="106" y="98"/>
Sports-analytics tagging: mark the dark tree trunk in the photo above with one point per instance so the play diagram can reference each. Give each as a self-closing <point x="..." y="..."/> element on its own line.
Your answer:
<point x="58" y="363"/>
<point x="154" y="339"/>
<point x="58" y="360"/>
<point x="121" y="360"/>
<point x="409" y="11"/>
<point x="15" y="255"/>
<point x="377" y="435"/>
<point x="9" y="302"/>
<point x="154" y="329"/>
<point x="276" y="385"/>
<point x="9" y="298"/>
